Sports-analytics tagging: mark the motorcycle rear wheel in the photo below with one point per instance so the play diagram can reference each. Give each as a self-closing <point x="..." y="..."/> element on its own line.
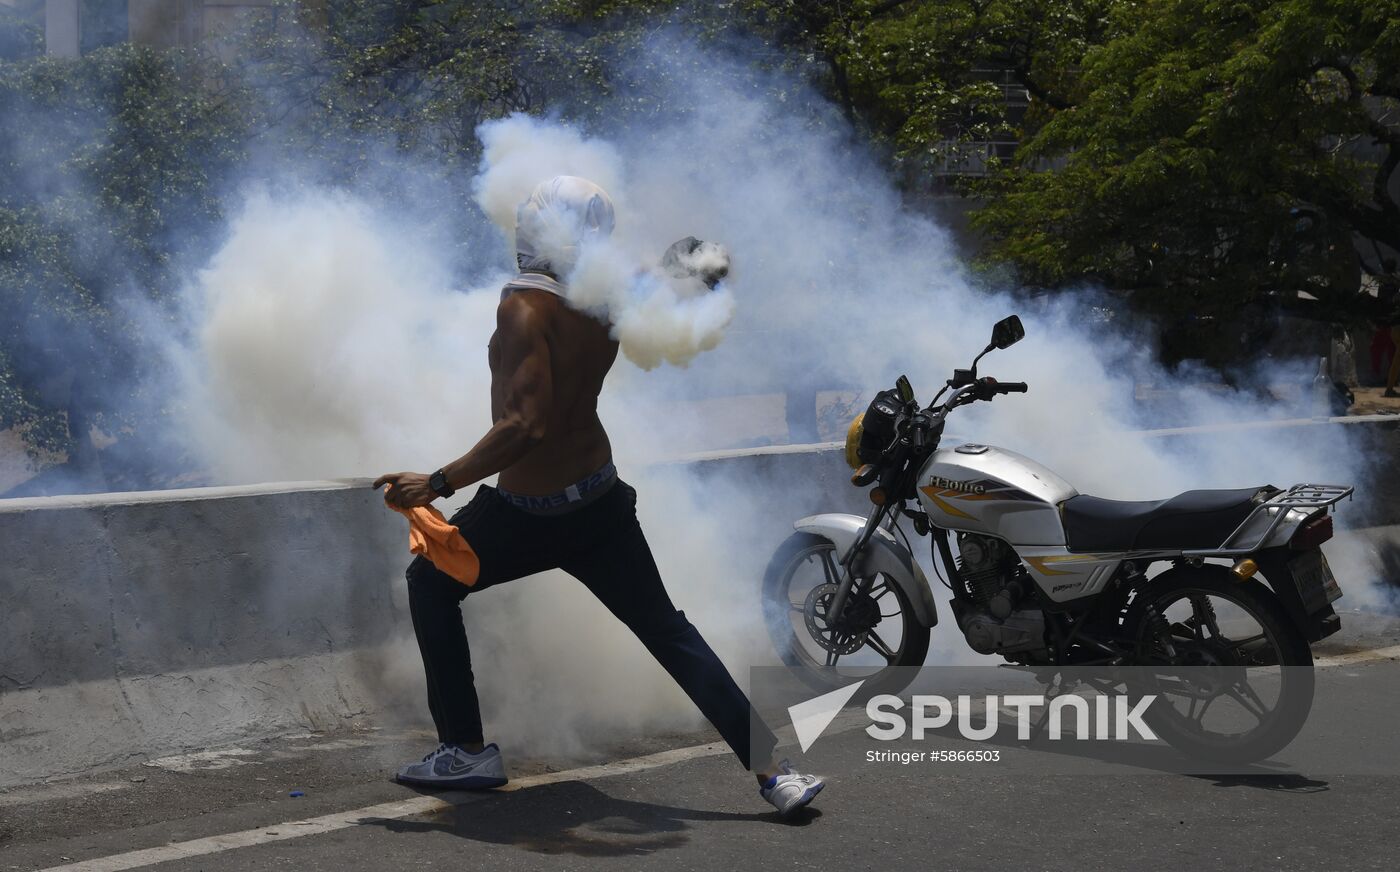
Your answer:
<point x="810" y="646"/>
<point x="1238" y="667"/>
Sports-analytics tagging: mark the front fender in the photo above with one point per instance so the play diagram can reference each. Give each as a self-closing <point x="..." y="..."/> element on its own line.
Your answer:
<point x="883" y="553"/>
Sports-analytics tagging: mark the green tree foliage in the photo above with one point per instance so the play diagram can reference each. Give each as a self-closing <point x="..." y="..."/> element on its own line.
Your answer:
<point x="918" y="76"/>
<point x="110" y="165"/>
<point x="1215" y="152"/>
<point x="1206" y="152"/>
<point x="927" y="78"/>
<point x="424" y="74"/>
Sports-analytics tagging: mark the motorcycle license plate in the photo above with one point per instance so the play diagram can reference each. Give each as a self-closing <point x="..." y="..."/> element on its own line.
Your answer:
<point x="1314" y="579"/>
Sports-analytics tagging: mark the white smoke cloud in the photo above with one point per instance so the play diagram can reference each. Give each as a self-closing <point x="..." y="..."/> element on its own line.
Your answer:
<point x="519" y="152"/>
<point x="665" y="326"/>
<point x="656" y="317"/>
<point x="332" y="342"/>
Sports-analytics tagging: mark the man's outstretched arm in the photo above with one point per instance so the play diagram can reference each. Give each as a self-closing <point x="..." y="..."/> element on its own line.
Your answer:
<point x="524" y="367"/>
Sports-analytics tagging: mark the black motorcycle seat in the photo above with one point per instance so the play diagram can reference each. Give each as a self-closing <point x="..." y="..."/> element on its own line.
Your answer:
<point x="1195" y="519"/>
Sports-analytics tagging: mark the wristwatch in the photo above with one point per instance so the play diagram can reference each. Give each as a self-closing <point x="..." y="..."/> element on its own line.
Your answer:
<point x="438" y="483"/>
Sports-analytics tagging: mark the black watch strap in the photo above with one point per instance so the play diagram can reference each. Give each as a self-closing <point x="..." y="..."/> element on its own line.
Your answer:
<point x="438" y="482"/>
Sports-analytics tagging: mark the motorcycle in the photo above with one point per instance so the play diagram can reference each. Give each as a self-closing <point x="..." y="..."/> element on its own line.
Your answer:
<point x="1049" y="578"/>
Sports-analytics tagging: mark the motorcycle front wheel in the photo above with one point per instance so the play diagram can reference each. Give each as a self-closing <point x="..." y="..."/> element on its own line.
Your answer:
<point x="1233" y="673"/>
<point x="876" y="639"/>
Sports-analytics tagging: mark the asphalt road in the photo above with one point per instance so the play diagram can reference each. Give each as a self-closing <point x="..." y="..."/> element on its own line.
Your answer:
<point x="676" y="802"/>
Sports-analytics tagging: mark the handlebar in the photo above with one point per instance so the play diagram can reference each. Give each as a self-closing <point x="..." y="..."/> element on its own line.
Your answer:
<point x="925" y="427"/>
<point x="921" y="431"/>
<point x="982" y="389"/>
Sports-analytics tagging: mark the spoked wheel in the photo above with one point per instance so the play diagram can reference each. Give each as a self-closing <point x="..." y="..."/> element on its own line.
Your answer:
<point x="1232" y="673"/>
<point x="876" y="632"/>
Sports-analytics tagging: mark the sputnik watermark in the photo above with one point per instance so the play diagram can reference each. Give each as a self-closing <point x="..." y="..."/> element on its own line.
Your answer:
<point x="1113" y="719"/>
<point x="1093" y="718"/>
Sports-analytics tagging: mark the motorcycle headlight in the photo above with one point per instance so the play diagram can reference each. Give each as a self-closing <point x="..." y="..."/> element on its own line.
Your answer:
<point x="853" y="441"/>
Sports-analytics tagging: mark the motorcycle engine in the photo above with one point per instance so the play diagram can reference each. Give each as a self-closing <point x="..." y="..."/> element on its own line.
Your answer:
<point x="997" y="583"/>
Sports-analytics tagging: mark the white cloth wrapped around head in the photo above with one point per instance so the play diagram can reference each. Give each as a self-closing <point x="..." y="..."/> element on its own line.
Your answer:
<point x="561" y="215"/>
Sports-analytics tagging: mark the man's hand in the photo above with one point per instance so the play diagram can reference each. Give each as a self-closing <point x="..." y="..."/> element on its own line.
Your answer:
<point x="407" y="490"/>
<point x="690" y="257"/>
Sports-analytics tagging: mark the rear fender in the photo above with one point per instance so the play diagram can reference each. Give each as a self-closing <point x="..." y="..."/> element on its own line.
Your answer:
<point x="1273" y="565"/>
<point x="883" y="553"/>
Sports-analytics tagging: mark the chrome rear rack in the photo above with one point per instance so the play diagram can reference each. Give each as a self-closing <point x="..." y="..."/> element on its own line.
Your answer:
<point x="1276" y="509"/>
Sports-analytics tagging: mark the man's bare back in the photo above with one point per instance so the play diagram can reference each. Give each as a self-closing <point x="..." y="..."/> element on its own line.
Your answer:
<point x="578" y="353"/>
<point x="548" y="363"/>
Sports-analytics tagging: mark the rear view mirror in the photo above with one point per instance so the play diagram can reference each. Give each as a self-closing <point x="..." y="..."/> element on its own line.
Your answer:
<point x="1007" y="332"/>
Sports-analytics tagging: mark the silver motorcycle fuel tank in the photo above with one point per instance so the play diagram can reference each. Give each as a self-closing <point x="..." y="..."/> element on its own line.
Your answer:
<point x="983" y="489"/>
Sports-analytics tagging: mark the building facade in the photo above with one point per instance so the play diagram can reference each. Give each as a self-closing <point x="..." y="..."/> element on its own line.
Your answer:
<point x="75" y="27"/>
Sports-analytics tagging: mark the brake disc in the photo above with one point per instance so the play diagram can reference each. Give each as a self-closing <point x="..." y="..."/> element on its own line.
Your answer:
<point x="848" y="635"/>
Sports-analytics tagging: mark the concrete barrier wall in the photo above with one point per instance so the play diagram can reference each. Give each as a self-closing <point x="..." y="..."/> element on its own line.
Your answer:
<point x="177" y="619"/>
<point x="153" y="615"/>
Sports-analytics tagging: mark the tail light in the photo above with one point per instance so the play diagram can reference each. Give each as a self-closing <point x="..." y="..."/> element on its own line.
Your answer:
<point x="1312" y="534"/>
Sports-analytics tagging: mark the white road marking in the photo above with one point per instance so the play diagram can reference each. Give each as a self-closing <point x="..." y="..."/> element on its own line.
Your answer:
<point x="427" y="804"/>
<point x="374" y="813"/>
<point x="49" y="792"/>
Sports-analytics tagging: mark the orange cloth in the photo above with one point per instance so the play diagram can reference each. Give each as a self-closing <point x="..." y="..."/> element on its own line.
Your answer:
<point x="430" y="535"/>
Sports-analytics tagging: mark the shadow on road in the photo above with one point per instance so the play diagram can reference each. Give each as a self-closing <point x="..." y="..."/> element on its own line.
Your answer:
<point x="1285" y="783"/>
<point x="573" y="817"/>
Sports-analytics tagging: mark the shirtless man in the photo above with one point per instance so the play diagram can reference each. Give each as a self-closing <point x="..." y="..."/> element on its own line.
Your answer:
<point x="558" y="505"/>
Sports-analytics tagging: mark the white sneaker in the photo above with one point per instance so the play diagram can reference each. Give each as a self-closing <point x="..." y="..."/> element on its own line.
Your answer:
<point x="452" y="767"/>
<point x="791" y="791"/>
